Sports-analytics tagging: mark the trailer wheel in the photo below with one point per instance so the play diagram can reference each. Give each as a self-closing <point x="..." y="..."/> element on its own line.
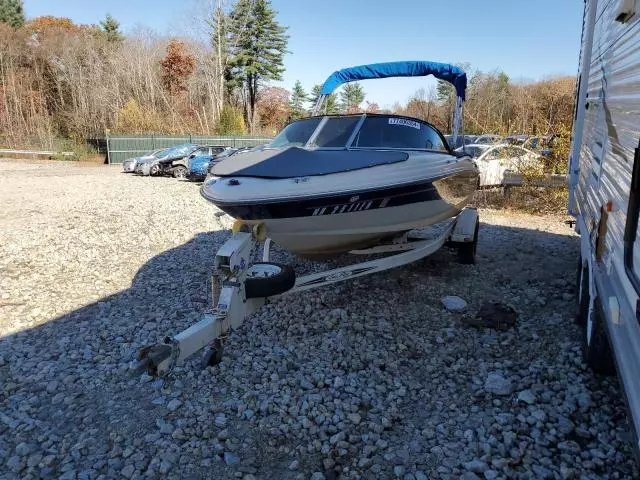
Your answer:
<point x="582" y="288"/>
<point x="597" y="351"/>
<point x="266" y="279"/>
<point x="467" y="250"/>
<point x="213" y="356"/>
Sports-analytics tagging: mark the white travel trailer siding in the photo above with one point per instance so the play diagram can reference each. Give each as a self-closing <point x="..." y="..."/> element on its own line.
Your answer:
<point x="605" y="192"/>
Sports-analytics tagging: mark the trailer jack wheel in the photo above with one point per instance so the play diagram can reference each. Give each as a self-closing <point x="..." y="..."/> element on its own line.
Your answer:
<point x="213" y="356"/>
<point x="266" y="279"/>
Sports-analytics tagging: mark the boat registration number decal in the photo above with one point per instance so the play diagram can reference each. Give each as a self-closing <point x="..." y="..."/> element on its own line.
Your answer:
<point x="404" y="123"/>
<point x="350" y="207"/>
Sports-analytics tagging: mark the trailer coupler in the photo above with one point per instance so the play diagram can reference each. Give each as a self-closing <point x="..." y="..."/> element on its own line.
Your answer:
<point x="151" y="356"/>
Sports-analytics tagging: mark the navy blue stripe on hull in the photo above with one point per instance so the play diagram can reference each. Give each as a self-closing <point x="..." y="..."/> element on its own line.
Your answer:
<point x="333" y="205"/>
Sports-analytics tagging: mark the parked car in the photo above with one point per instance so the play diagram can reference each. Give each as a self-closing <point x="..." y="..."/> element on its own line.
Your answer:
<point x="488" y="139"/>
<point x="541" y="145"/>
<point x="498" y="161"/>
<point x="129" y="165"/>
<point x="237" y="151"/>
<point x="473" y="150"/>
<point x="180" y="166"/>
<point x="516" y="139"/>
<point x="162" y="164"/>
<point x="468" y="140"/>
<point x="198" y="163"/>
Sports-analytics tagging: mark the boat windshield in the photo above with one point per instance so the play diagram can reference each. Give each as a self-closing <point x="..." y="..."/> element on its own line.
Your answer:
<point x="296" y="134"/>
<point x="335" y="133"/>
<point x="372" y="131"/>
<point x="398" y="132"/>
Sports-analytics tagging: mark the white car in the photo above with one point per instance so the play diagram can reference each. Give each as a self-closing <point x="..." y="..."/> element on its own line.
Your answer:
<point x="504" y="164"/>
<point x="488" y="139"/>
<point x="468" y="140"/>
<point x="473" y="150"/>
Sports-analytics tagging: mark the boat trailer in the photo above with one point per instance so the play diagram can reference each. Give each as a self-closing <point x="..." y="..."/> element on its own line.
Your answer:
<point x="240" y="287"/>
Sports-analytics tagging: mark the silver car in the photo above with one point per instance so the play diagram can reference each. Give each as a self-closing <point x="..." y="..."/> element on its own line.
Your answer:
<point x="162" y="162"/>
<point x="129" y="165"/>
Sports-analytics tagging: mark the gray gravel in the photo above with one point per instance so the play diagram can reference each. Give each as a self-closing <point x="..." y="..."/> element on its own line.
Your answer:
<point x="373" y="378"/>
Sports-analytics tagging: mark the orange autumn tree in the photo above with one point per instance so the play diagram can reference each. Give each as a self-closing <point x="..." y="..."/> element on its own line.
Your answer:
<point x="273" y="109"/>
<point x="177" y="66"/>
<point x="48" y="23"/>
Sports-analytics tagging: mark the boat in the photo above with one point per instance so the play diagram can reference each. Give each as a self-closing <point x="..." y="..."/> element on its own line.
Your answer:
<point x="328" y="184"/>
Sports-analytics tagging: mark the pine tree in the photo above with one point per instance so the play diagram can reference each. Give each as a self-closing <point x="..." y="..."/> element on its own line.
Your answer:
<point x="12" y="13"/>
<point x="351" y="97"/>
<point x="111" y="28"/>
<point x="257" y="44"/>
<point x="298" y="98"/>
<point x="331" y="102"/>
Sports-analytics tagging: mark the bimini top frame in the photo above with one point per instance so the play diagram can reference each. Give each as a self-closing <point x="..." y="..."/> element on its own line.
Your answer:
<point x="411" y="68"/>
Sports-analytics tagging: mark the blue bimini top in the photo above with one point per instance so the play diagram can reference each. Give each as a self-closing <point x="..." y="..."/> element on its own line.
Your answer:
<point x="412" y="68"/>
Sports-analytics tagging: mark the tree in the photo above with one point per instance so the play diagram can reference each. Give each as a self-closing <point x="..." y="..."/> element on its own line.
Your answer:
<point x="372" y="107"/>
<point x="177" y="65"/>
<point x="273" y="108"/>
<point x="422" y="104"/>
<point x="231" y="122"/>
<point x="134" y="118"/>
<point x="111" y="29"/>
<point x="220" y="44"/>
<point x="257" y="44"/>
<point x="12" y="13"/>
<point x="351" y="97"/>
<point x="49" y="23"/>
<point x="447" y="94"/>
<point x="298" y="98"/>
<point x="331" y="102"/>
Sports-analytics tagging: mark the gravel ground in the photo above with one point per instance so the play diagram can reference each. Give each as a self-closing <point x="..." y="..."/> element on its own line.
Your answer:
<point x="372" y="378"/>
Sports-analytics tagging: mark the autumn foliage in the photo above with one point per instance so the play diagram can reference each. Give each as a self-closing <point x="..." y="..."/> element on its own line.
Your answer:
<point x="59" y="79"/>
<point x="49" y="23"/>
<point x="177" y="66"/>
<point x="273" y="109"/>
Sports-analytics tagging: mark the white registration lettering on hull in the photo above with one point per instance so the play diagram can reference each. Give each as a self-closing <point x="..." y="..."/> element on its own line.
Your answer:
<point x="350" y="207"/>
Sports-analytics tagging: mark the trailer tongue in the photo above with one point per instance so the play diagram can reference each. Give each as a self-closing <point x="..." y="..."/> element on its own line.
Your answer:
<point x="241" y="287"/>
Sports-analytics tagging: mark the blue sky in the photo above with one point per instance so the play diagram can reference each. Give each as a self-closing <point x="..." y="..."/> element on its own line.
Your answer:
<point x="527" y="40"/>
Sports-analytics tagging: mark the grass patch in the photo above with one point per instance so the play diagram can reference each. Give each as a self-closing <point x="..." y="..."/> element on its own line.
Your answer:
<point x="68" y="150"/>
<point x="527" y="199"/>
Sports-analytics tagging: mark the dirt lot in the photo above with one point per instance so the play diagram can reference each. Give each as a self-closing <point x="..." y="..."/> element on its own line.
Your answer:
<point x="372" y="378"/>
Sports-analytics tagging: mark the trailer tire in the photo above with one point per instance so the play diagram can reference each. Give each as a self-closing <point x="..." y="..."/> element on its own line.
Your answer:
<point x="213" y="356"/>
<point x="467" y="250"/>
<point x="582" y="293"/>
<point x="597" y="351"/>
<point x="268" y="279"/>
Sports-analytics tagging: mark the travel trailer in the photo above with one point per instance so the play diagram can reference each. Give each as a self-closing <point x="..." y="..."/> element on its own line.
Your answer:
<point x="604" y="197"/>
